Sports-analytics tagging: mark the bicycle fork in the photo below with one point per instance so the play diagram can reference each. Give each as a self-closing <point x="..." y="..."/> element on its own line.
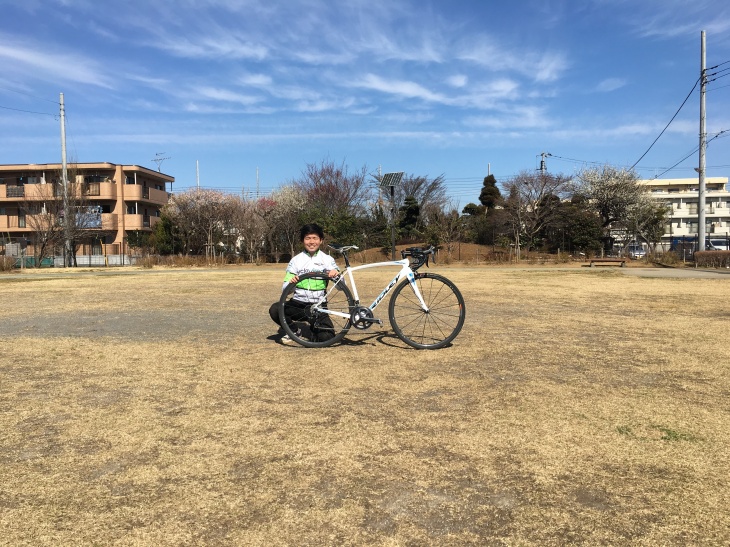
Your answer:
<point x="412" y="280"/>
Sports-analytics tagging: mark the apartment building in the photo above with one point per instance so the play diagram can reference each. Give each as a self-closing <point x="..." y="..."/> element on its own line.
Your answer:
<point x="120" y="198"/>
<point x="682" y="197"/>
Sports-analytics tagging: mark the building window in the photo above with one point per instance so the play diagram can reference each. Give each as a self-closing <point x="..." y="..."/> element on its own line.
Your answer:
<point x="131" y="209"/>
<point x="21" y="220"/>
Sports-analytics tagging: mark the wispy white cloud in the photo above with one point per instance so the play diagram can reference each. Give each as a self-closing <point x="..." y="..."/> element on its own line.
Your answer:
<point x="32" y="63"/>
<point x="519" y="117"/>
<point x="671" y="19"/>
<point x="400" y="88"/>
<point x="211" y="47"/>
<point x="255" y="80"/>
<point x="610" y="84"/>
<point x="457" y="80"/>
<point x="218" y="94"/>
<point x="538" y="66"/>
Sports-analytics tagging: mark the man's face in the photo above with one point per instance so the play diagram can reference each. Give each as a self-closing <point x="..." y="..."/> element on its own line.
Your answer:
<point x="312" y="243"/>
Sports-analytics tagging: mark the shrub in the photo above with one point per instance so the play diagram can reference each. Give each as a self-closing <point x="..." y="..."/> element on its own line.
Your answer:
<point x="712" y="259"/>
<point x="6" y="263"/>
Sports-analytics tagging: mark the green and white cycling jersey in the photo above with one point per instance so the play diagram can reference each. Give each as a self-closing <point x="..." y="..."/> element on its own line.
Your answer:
<point x="309" y="290"/>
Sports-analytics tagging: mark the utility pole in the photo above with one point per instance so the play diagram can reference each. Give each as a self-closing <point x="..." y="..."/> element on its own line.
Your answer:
<point x="701" y="232"/>
<point x="64" y="182"/>
<point x="543" y="166"/>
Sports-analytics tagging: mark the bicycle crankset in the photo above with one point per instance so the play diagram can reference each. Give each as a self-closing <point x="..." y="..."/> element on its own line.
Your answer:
<point x="362" y="318"/>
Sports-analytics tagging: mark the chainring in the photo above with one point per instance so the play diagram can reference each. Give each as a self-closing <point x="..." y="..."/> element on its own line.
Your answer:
<point x="359" y="316"/>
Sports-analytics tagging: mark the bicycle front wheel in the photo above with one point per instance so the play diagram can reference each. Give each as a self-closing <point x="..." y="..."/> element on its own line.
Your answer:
<point x="430" y="329"/>
<point x="313" y="324"/>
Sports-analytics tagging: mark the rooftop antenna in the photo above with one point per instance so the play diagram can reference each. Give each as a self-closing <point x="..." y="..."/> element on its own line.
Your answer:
<point x="159" y="159"/>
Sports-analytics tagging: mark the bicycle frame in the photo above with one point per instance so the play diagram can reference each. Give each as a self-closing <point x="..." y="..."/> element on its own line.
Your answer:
<point x="405" y="271"/>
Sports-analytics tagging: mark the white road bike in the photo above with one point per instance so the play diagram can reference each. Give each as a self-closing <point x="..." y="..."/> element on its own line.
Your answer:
<point x="426" y="310"/>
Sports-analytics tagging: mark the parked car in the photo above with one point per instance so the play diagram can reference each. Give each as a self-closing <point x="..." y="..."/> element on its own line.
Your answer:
<point x="717" y="244"/>
<point x="636" y="251"/>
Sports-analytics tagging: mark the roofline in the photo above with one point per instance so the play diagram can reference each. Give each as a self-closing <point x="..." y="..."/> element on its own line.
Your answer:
<point x="84" y="165"/>
<point x="690" y="180"/>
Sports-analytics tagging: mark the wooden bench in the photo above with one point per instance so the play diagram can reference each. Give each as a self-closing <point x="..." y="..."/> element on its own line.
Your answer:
<point x="608" y="262"/>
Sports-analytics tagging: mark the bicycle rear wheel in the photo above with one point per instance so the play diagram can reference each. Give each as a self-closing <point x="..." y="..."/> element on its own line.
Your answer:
<point x="308" y="323"/>
<point x="440" y="324"/>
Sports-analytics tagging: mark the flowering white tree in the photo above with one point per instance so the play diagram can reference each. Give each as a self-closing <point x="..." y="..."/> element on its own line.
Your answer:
<point x="201" y="217"/>
<point x="286" y="218"/>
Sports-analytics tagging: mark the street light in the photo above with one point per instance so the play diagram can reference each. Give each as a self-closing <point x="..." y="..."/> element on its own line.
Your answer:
<point x="391" y="180"/>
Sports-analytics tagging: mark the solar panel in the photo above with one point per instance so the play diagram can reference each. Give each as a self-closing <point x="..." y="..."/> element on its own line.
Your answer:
<point x="391" y="179"/>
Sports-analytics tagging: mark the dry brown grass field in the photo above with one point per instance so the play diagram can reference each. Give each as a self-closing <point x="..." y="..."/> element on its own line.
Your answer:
<point x="155" y="407"/>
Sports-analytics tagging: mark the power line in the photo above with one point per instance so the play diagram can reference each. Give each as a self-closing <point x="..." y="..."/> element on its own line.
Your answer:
<point x="28" y="95"/>
<point x="670" y="122"/>
<point x="28" y="111"/>
<point x="718" y="65"/>
<point x="717" y="136"/>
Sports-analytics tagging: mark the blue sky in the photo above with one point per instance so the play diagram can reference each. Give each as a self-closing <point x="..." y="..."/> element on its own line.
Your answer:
<point x="425" y="87"/>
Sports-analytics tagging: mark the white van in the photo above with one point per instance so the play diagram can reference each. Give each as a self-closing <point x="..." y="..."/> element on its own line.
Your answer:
<point x="717" y="244"/>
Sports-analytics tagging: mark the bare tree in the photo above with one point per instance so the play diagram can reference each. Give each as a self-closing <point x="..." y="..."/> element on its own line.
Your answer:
<point x="333" y="187"/>
<point x="56" y="213"/>
<point x="250" y="225"/>
<point x="532" y="203"/>
<point x="429" y="193"/>
<point x="43" y="216"/>
<point x="447" y="228"/>
<point x="645" y="220"/>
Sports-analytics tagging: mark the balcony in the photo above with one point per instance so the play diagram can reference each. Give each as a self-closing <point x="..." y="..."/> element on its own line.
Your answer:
<point x="109" y="221"/>
<point x="99" y="190"/>
<point x="15" y="191"/>
<point x="135" y="192"/>
<point x="137" y="222"/>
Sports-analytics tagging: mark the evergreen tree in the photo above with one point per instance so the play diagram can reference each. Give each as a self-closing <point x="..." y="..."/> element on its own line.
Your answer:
<point x="490" y="195"/>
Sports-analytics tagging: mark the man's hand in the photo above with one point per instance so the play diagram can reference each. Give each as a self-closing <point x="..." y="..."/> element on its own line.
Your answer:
<point x="333" y="273"/>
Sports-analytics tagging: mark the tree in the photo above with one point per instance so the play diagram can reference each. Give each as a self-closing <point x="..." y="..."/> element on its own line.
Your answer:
<point x="43" y="217"/>
<point x="58" y="213"/>
<point x="250" y="226"/>
<point x="430" y="194"/>
<point x="611" y="192"/>
<point x="490" y="195"/>
<point x="201" y="218"/>
<point x="289" y="206"/>
<point x="645" y="220"/>
<point x="577" y="227"/>
<point x="409" y="213"/>
<point x="446" y="228"/>
<point x="335" y="198"/>
<point x="164" y="239"/>
<point x="532" y="203"/>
